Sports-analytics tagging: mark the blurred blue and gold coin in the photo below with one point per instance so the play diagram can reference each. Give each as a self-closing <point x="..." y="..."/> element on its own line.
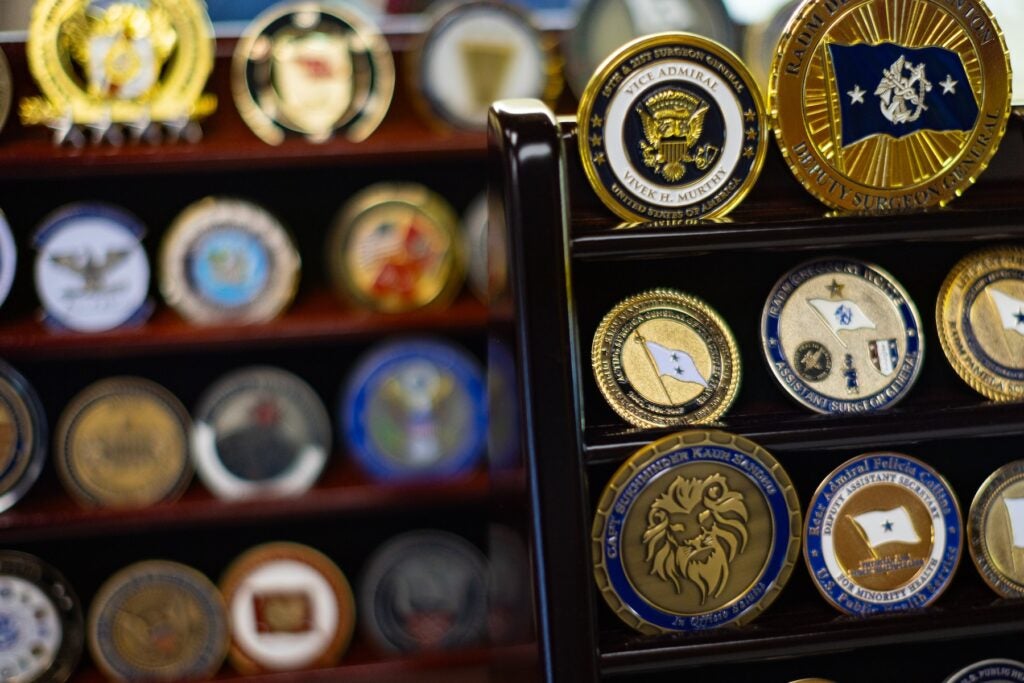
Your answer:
<point x="990" y="671"/>
<point x="672" y="127"/>
<point x="315" y="70"/>
<point x="888" y="107"/>
<point x="23" y="436"/>
<point x="415" y="408"/>
<point x="228" y="261"/>
<point x="697" y="530"/>
<point x="424" y="590"/>
<point x="995" y="530"/>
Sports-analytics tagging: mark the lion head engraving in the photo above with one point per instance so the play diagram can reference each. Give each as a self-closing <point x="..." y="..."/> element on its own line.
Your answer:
<point x="694" y="531"/>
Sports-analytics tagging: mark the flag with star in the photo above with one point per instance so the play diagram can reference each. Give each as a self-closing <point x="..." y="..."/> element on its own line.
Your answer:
<point x="889" y="89"/>
<point x="675" y="364"/>
<point x="887" y="526"/>
<point x="1011" y="310"/>
<point x="842" y="315"/>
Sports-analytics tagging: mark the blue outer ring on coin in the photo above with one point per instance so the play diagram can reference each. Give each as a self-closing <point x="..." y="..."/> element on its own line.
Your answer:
<point x="665" y="456"/>
<point x="802" y="392"/>
<point x="373" y="370"/>
<point x="971" y="340"/>
<point x="620" y="138"/>
<point x="990" y="671"/>
<point x="912" y="471"/>
<point x="30" y="440"/>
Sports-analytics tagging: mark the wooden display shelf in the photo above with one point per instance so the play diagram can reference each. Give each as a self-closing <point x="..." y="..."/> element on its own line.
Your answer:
<point x="315" y="316"/>
<point x="49" y="512"/>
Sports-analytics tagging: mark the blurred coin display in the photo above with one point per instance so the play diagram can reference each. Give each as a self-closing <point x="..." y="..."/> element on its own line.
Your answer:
<point x="478" y="261"/>
<point x="8" y="258"/>
<point x="290" y="608"/>
<point x="314" y="69"/>
<point x="424" y="590"/>
<point x="395" y="247"/>
<point x="6" y="89"/>
<point x="260" y="431"/>
<point x="478" y="52"/>
<point x="23" y="436"/>
<point x="41" y="625"/>
<point x="91" y="270"/>
<point x="158" y="621"/>
<point x="511" y="588"/>
<point x="603" y="26"/>
<point x="228" y="261"/>
<point x="415" y="408"/>
<point x="124" y="442"/>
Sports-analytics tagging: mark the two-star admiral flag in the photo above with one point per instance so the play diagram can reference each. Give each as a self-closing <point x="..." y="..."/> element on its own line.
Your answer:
<point x="873" y="81"/>
<point x="1011" y="310"/>
<point x="842" y="315"/>
<point x="675" y="363"/>
<point x="887" y="526"/>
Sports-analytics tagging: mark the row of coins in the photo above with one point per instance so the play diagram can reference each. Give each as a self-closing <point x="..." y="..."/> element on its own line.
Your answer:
<point x="838" y="334"/>
<point x="279" y="607"/>
<point x="394" y="248"/>
<point x="410" y="409"/>
<point x="703" y="528"/>
<point x="870" y="114"/>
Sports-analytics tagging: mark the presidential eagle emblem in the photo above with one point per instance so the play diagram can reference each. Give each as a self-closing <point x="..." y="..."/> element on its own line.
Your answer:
<point x="673" y="122"/>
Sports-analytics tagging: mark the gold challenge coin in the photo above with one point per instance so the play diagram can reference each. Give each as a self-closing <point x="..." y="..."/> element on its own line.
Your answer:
<point x="995" y="530"/>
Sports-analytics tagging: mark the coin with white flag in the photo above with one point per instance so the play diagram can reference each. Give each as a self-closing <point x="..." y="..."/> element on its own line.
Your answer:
<point x="980" y="317"/>
<point x="842" y="336"/>
<point x="883" y="534"/>
<point x="663" y="358"/>
<point x="995" y="530"/>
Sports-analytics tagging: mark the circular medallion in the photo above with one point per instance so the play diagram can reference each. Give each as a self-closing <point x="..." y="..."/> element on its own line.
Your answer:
<point x="883" y="534"/>
<point x="424" y="590"/>
<point x="91" y="272"/>
<point x="672" y="127"/>
<point x="290" y="608"/>
<point x="878" y="110"/>
<point x="158" y="621"/>
<point x="23" y="436"/>
<point x="761" y="40"/>
<point x="990" y="671"/>
<point x="260" y="431"/>
<point x="696" y="530"/>
<point x="415" y="408"/>
<point x="474" y="234"/>
<point x="663" y="358"/>
<point x="995" y="530"/>
<point x="6" y="89"/>
<point x="41" y="631"/>
<point x="842" y="336"/>
<point x="228" y="261"/>
<point x="396" y="248"/>
<point x="476" y="53"/>
<point x="980" y="318"/>
<point x="602" y="26"/>
<point x="99" y="62"/>
<point x="8" y="258"/>
<point x="312" y="69"/>
<point x="124" y="442"/>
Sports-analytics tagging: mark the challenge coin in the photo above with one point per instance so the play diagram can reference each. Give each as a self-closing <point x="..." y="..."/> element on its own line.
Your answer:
<point x="99" y="63"/>
<point x="158" y="621"/>
<point x="228" y="261"/>
<point x="6" y="89"/>
<point x="663" y="358"/>
<point x="260" y="431"/>
<point x="990" y="671"/>
<point x="883" y="534"/>
<point x="415" y="408"/>
<point x="396" y="248"/>
<point x="23" y="436"/>
<point x="474" y="235"/>
<point x="312" y="69"/>
<point x="602" y="26"/>
<point x="879" y="108"/>
<point x="995" y="530"/>
<point x="476" y="53"/>
<point x="424" y="590"/>
<point x="8" y="258"/>
<point x="672" y="127"/>
<point x="980" y="318"/>
<point x="696" y="530"/>
<point x="41" y="626"/>
<point x="124" y="442"/>
<point x="290" y="608"/>
<point x="842" y="336"/>
<point x="91" y="271"/>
